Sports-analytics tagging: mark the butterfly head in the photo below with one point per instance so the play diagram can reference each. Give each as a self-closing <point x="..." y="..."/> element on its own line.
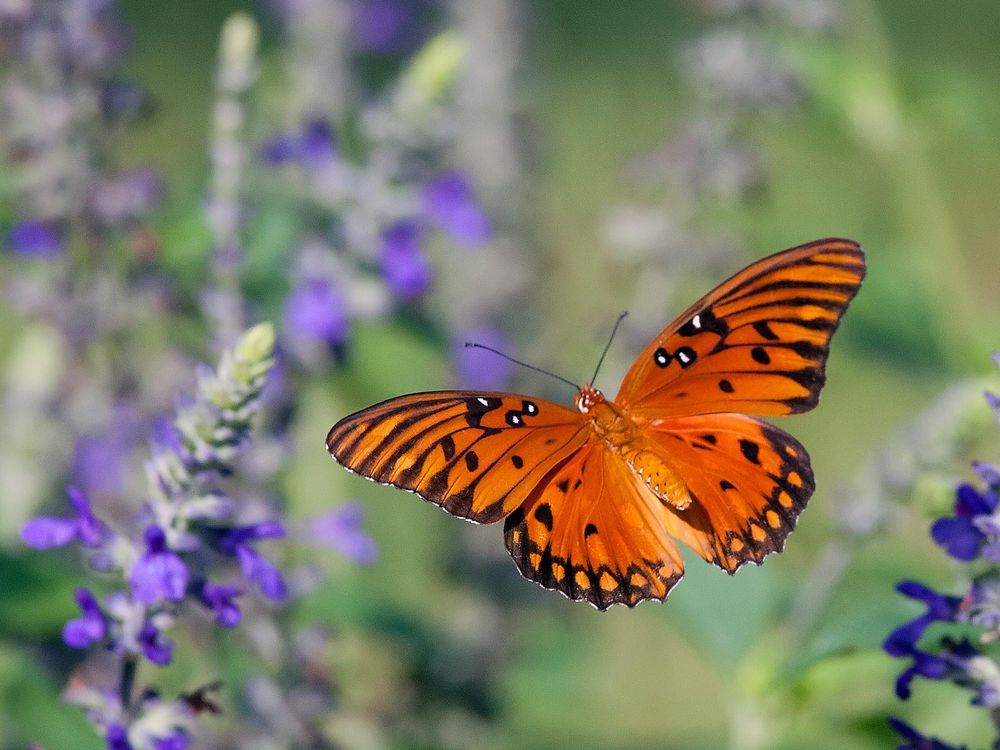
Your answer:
<point x="587" y="398"/>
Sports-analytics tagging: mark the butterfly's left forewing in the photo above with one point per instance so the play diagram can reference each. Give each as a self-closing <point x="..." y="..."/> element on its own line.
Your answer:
<point x="477" y="455"/>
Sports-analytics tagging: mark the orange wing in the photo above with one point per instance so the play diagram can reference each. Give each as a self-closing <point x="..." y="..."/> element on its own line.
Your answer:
<point x="756" y="344"/>
<point x="748" y="482"/>
<point x="477" y="455"/>
<point x="593" y="533"/>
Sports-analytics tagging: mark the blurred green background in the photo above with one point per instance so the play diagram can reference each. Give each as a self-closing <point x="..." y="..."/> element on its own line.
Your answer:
<point x="892" y="142"/>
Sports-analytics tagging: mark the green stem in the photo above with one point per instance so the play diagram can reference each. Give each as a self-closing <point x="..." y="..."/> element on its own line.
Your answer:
<point x="129" y="667"/>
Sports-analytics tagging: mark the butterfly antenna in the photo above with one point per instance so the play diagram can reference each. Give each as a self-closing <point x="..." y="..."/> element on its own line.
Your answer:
<point x="523" y="364"/>
<point x="608" y="345"/>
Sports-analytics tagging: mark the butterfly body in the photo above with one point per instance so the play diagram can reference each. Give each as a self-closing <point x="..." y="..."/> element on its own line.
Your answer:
<point x="594" y="497"/>
<point x="628" y="438"/>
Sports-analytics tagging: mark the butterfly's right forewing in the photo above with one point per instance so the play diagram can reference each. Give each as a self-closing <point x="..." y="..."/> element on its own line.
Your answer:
<point x="477" y="455"/>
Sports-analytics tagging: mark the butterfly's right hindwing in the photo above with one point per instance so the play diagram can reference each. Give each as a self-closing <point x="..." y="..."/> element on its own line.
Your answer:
<point x="477" y="455"/>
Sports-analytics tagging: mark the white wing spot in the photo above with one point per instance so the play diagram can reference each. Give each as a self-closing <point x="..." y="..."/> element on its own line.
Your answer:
<point x="696" y="321"/>
<point x="682" y="356"/>
<point x="483" y="401"/>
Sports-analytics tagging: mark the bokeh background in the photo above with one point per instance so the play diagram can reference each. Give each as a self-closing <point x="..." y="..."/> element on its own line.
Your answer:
<point x="165" y="183"/>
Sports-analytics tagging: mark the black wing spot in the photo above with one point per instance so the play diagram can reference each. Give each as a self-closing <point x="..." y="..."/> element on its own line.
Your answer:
<point x="661" y="357"/>
<point x="708" y="437"/>
<point x="727" y="485"/>
<point x="589" y="530"/>
<point x="725" y="386"/>
<point x="517" y="461"/>
<point x="563" y="486"/>
<point x="704" y="322"/>
<point x="471" y="461"/>
<point x="447" y="444"/>
<point x="543" y="514"/>
<point x="529" y="408"/>
<point x="686" y="356"/>
<point x="692" y="327"/>
<point x="760" y="355"/>
<point x="476" y="408"/>
<point x="514" y="418"/>
<point x="577" y="483"/>
<point x="751" y="451"/>
<point x="765" y="331"/>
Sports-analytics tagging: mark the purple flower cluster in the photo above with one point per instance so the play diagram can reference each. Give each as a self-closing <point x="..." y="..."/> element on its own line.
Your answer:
<point x="404" y="210"/>
<point x="971" y="534"/>
<point x="186" y="533"/>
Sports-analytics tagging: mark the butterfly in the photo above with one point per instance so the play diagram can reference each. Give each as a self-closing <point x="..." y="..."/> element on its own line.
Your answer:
<point x="592" y="498"/>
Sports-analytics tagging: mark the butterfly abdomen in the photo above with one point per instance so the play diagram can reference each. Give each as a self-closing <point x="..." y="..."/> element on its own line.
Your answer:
<point x="626" y="437"/>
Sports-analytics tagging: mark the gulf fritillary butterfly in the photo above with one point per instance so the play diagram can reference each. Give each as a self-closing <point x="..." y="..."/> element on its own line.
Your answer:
<point x="592" y="497"/>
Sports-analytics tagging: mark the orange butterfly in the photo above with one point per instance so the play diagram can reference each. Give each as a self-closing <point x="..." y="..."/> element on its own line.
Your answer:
<point x="593" y="496"/>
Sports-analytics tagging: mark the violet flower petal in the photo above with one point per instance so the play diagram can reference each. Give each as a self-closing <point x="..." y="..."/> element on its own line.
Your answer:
<point x="158" y="574"/>
<point x="155" y="647"/>
<point x="260" y="571"/>
<point x="340" y="528"/>
<point x="45" y="532"/>
<point x="82" y="632"/>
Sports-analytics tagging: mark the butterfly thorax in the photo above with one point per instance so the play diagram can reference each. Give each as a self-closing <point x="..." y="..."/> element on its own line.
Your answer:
<point x="627" y="437"/>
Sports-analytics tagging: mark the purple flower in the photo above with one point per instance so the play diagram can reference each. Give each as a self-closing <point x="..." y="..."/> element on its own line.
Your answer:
<point x="313" y="146"/>
<point x="340" y="529"/>
<point x="280" y="149"/>
<point x="45" y="532"/>
<point x="159" y="574"/>
<point x="155" y="646"/>
<point x="962" y="536"/>
<point x="34" y="239"/>
<point x="82" y="632"/>
<point x="316" y="144"/>
<point x="402" y="262"/>
<point x="315" y="311"/>
<point x="451" y="205"/>
<point x="924" y="665"/>
<point x="255" y="567"/>
<point x="480" y="369"/>
<point x="178" y="740"/>
<point x="117" y="738"/>
<point x="383" y="26"/>
<point x="916" y="741"/>
<point x="989" y="473"/>
<point x="902" y="640"/>
<point x="220" y="599"/>
<point x="123" y="100"/>
<point x="259" y="570"/>
<point x="165" y="437"/>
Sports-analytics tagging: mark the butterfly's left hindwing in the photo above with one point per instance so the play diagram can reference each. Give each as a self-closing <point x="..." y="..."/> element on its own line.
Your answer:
<point x="591" y="532"/>
<point x="478" y="455"/>
<point x="748" y="482"/>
